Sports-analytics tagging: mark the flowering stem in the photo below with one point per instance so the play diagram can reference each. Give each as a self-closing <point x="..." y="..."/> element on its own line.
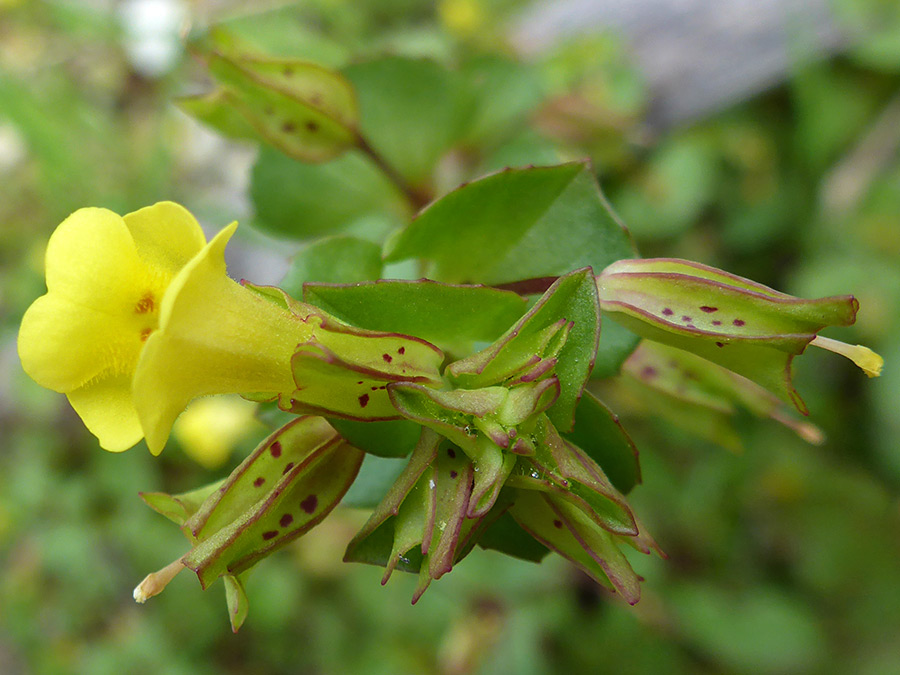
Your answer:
<point x="870" y="362"/>
<point x="416" y="198"/>
<point x="155" y="582"/>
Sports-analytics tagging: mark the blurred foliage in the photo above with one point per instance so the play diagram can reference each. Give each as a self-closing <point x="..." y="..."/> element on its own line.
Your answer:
<point x="781" y="560"/>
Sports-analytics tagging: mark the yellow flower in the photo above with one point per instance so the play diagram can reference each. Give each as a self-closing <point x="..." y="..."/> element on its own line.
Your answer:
<point x="140" y="318"/>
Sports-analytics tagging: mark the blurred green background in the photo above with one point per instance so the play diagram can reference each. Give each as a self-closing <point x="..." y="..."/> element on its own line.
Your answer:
<point x="783" y="559"/>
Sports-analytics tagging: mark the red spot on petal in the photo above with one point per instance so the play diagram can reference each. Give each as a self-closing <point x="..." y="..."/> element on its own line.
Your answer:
<point x="286" y="520"/>
<point x="387" y="358"/>
<point x="363" y="400"/>
<point x="145" y="304"/>
<point x="360" y="382"/>
<point x="259" y="481"/>
<point x="375" y="388"/>
<point x="290" y="465"/>
<point x="557" y="524"/>
<point x="738" y="322"/>
<point x="145" y="334"/>
<point x="271" y="534"/>
<point x="668" y="312"/>
<point x="309" y="504"/>
<point x="708" y="309"/>
<point x="275" y="449"/>
<point x="401" y="351"/>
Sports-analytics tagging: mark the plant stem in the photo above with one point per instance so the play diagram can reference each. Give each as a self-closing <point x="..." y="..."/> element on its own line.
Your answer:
<point x="415" y="197"/>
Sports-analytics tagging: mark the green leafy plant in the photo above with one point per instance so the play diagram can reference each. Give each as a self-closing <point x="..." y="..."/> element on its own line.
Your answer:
<point x="460" y="321"/>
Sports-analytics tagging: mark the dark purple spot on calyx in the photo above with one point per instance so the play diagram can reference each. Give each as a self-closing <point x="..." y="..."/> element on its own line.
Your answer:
<point x="286" y="520"/>
<point x="360" y="382"/>
<point x="312" y="126"/>
<point x="275" y="449"/>
<point x="717" y="323"/>
<point x="401" y="351"/>
<point x="451" y="453"/>
<point x="387" y="358"/>
<point x="686" y="319"/>
<point x="453" y="474"/>
<point x="309" y="504"/>
<point x="271" y="534"/>
<point x="557" y="524"/>
<point x="720" y="344"/>
<point x="288" y="71"/>
<point x="648" y="372"/>
<point x="375" y="388"/>
<point x="363" y="400"/>
<point x="708" y="309"/>
<point x="668" y="312"/>
<point x="259" y="481"/>
<point x="290" y="465"/>
<point x="738" y="322"/>
<point x="288" y="127"/>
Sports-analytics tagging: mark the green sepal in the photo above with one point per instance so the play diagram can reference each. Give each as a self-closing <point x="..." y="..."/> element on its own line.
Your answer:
<point x="744" y="326"/>
<point x="343" y="371"/>
<point x="565" y="529"/>
<point x="236" y="600"/>
<point x="283" y="489"/>
<point x="701" y="397"/>
<point x="307" y="112"/>
<point x="179" y="508"/>
<point x="560" y="333"/>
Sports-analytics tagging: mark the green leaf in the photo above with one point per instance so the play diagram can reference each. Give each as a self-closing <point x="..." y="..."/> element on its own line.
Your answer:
<point x="375" y="478"/>
<point x="411" y="111"/>
<point x="333" y="260"/>
<point x="388" y="438"/>
<point x="571" y="301"/>
<point x="443" y="314"/>
<point x="502" y="93"/>
<point x="514" y="225"/>
<point x="301" y="201"/>
<point x="616" y="344"/>
<point x="599" y="434"/>
<point x="505" y="536"/>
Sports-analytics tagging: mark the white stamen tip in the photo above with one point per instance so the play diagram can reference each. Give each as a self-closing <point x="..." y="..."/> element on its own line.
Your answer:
<point x="870" y="362"/>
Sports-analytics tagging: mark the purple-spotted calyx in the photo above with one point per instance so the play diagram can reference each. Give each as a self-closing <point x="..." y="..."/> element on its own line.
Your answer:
<point x="744" y="326"/>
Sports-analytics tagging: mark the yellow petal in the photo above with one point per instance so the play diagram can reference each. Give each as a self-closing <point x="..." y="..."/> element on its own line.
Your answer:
<point x="166" y="235"/>
<point x="64" y="344"/>
<point x="91" y="258"/>
<point x="215" y="337"/>
<point x="107" y="410"/>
